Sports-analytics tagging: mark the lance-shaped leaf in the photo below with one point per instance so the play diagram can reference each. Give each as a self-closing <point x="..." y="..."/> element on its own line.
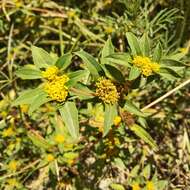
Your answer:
<point x="38" y="101"/>
<point x="91" y="63"/>
<point x="69" y="114"/>
<point x="133" y="43"/>
<point x="114" y="73"/>
<point x="168" y="73"/>
<point x="140" y="132"/>
<point x="64" y="61"/>
<point x="109" y="115"/>
<point x="157" y="55"/>
<point x="38" y="140"/>
<point x="27" y="96"/>
<point x="145" y="45"/>
<point x="76" y="76"/>
<point x="107" y="50"/>
<point x="130" y="107"/>
<point x="119" y="59"/>
<point x="41" y="58"/>
<point x="28" y="73"/>
<point x="81" y="91"/>
<point x="134" y="73"/>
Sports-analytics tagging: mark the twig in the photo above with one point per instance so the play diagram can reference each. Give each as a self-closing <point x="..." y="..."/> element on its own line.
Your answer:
<point x="22" y="170"/>
<point x="166" y="95"/>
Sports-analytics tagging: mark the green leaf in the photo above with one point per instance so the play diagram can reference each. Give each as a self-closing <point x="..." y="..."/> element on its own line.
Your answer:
<point x="81" y="91"/>
<point x="172" y="64"/>
<point x="115" y="73"/>
<point x="157" y="55"/>
<point x="38" y="101"/>
<point x="41" y="58"/>
<point x="130" y="107"/>
<point x="168" y="73"/>
<point x="109" y="115"/>
<point x="76" y="76"/>
<point x="142" y="121"/>
<point x="28" y="73"/>
<point x="134" y="73"/>
<point x="64" y="61"/>
<point x="162" y="184"/>
<point x="145" y="45"/>
<point x="38" y="140"/>
<point x="133" y="43"/>
<point x="116" y="186"/>
<point x="176" y="57"/>
<point x="146" y="172"/>
<point x="119" y="59"/>
<point x="140" y="132"/>
<point x="91" y="63"/>
<point x="27" y="96"/>
<point x="69" y="114"/>
<point x="107" y="50"/>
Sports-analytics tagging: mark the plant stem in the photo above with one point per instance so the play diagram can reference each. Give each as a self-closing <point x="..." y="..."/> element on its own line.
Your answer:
<point x="166" y="95"/>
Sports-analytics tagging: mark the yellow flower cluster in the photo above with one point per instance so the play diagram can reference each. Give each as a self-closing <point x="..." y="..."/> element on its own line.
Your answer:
<point x="55" y="87"/>
<point x="50" y="73"/>
<point x="146" y="66"/>
<point x="106" y="91"/>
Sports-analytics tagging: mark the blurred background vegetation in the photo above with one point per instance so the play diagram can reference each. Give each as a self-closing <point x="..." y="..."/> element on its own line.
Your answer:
<point x="69" y="25"/>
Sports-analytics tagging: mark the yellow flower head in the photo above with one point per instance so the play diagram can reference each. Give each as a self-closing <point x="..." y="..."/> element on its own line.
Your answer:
<point x="146" y="66"/>
<point x="150" y="185"/>
<point x="184" y="50"/>
<point x="117" y="141"/>
<point x="109" y="30"/>
<point x="13" y="165"/>
<point x="59" y="139"/>
<point x="12" y="182"/>
<point x="50" y="73"/>
<point x="106" y="91"/>
<point x="136" y="186"/>
<point x="71" y="13"/>
<point x="24" y="108"/>
<point x="56" y="88"/>
<point x="50" y="158"/>
<point x="117" y="120"/>
<point x="8" y="132"/>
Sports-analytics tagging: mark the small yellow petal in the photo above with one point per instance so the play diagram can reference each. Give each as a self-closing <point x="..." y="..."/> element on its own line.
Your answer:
<point x="117" y="120"/>
<point x="59" y="139"/>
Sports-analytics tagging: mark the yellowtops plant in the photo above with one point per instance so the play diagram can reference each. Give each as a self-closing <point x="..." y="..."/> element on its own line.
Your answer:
<point x="106" y="91"/>
<point x="145" y="64"/>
